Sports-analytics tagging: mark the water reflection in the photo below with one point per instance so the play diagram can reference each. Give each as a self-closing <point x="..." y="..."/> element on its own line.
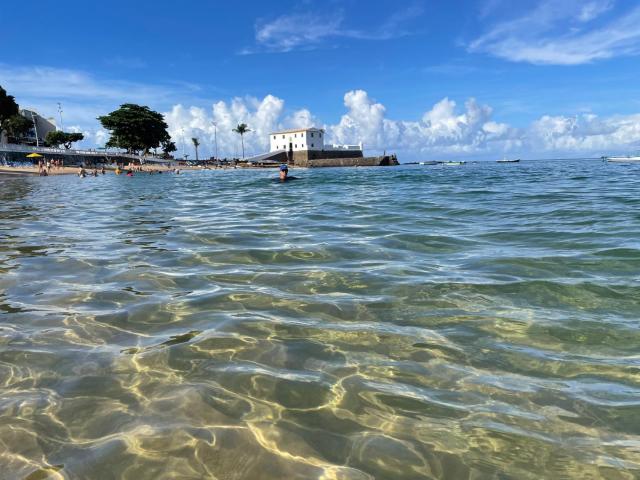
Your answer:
<point x="369" y="323"/>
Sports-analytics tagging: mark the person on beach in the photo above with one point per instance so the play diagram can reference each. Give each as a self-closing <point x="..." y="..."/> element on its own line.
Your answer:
<point x="82" y="173"/>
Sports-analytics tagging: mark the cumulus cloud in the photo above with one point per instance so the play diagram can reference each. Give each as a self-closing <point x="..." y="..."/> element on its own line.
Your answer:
<point x="262" y="117"/>
<point x="443" y="130"/>
<point x="587" y="134"/>
<point x="563" y="33"/>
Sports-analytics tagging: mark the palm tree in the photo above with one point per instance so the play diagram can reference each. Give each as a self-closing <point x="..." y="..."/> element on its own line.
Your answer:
<point x="242" y="129"/>
<point x="196" y="143"/>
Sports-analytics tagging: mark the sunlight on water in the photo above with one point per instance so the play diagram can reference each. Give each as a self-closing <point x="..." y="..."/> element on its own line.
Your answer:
<point x="407" y="323"/>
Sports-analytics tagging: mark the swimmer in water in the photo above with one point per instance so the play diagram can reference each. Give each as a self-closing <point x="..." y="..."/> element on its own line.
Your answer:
<point x="284" y="174"/>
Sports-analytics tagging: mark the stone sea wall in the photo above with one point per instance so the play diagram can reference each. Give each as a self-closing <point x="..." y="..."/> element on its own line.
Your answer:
<point x="382" y="161"/>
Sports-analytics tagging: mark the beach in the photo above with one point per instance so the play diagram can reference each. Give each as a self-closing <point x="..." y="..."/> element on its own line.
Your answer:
<point x="35" y="170"/>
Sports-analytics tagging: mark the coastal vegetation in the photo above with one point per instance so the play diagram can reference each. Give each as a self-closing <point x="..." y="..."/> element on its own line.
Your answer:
<point x="241" y="129"/>
<point x="11" y="122"/>
<point x="168" y="147"/>
<point x="58" y="138"/>
<point x="196" y="144"/>
<point x="136" y="129"/>
<point x="17" y="127"/>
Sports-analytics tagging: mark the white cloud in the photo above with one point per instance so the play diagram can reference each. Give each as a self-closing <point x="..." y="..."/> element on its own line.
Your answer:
<point x="563" y="33"/>
<point x="262" y="117"/>
<point x="441" y="130"/>
<point x="586" y="134"/>
<point x="84" y="96"/>
<point x="444" y="130"/>
<point x="308" y="30"/>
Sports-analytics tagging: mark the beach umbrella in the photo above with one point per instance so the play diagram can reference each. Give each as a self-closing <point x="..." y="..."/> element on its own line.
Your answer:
<point x="34" y="155"/>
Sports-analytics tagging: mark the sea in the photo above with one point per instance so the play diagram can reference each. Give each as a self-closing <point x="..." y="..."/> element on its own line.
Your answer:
<point x="464" y="322"/>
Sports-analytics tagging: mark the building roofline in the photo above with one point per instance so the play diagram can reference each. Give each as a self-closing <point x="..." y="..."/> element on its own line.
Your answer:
<point x="296" y="130"/>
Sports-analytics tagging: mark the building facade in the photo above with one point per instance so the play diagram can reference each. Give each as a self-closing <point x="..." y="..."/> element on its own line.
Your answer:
<point x="41" y="126"/>
<point x="297" y="140"/>
<point x="304" y="144"/>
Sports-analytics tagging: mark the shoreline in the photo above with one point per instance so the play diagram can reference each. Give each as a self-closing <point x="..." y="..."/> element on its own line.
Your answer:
<point x="34" y="171"/>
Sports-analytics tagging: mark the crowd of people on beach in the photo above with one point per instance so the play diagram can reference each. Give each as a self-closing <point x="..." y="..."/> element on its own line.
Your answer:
<point x="128" y="171"/>
<point x="45" y="166"/>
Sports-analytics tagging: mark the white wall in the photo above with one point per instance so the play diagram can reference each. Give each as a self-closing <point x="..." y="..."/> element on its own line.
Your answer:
<point x="44" y="125"/>
<point x="300" y="140"/>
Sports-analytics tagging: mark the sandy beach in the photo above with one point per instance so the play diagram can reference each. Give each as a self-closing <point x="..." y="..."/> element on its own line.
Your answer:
<point x="33" y="170"/>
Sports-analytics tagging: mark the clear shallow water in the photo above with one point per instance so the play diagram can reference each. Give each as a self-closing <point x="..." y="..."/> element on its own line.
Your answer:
<point x="415" y="322"/>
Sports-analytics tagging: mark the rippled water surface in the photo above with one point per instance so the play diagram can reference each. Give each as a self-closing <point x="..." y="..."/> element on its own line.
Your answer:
<point x="475" y="322"/>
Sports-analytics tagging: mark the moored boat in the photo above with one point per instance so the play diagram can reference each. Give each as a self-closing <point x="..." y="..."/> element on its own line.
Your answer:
<point x="508" y="160"/>
<point x="628" y="158"/>
<point x="453" y="164"/>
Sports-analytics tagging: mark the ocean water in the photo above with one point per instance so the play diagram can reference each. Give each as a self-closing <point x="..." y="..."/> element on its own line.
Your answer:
<point x="474" y="322"/>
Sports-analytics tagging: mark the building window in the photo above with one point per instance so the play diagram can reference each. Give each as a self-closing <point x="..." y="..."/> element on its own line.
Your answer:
<point x="274" y="137"/>
<point x="302" y="145"/>
<point x="312" y="143"/>
<point x="320" y="134"/>
<point x="296" y="145"/>
<point x="311" y="134"/>
<point x="282" y="136"/>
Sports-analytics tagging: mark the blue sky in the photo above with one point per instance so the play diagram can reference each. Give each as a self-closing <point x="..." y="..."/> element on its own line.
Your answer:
<point x="428" y="79"/>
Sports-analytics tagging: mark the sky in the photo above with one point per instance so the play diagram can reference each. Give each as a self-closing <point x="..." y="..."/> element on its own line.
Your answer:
<point x="474" y="79"/>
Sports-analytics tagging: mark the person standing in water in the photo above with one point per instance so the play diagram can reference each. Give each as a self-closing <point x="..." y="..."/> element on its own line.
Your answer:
<point x="284" y="174"/>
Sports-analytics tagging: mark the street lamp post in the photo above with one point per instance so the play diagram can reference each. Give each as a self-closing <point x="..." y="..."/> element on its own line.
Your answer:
<point x="215" y="137"/>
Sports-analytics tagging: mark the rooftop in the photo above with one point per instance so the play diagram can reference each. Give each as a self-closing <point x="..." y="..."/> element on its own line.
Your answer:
<point x="295" y="130"/>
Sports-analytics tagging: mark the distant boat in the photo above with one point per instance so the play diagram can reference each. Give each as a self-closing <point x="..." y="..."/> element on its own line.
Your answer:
<point x="628" y="158"/>
<point x="430" y="163"/>
<point x="453" y="164"/>
<point x="507" y="160"/>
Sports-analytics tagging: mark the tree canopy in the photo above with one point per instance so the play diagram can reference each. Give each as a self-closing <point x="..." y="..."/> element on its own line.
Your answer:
<point x="168" y="146"/>
<point x="196" y="144"/>
<point x="135" y="128"/>
<point x="8" y="108"/>
<point x="242" y="128"/>
<point x="17" y="126"/>
<point x="57" y="138"/>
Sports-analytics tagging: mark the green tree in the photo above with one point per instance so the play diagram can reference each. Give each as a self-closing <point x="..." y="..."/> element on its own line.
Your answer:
<point x="8" y="108"/>
<point x="57" y="138"/>
<point x="167" y="147"/>
<point x="16" y="127"/>
<point x="241" y="129"/>
<point x="196" y="144"/>
<point x="135" y="128"/>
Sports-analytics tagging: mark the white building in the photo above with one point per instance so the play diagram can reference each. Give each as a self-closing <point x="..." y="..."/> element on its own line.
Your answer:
<point x="297" y="140"/>
<point x="304" y="140"/>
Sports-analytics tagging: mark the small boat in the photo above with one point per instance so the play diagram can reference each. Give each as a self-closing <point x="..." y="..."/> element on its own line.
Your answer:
<point x="430" y="163"/>
<point x="453" y="164"/>
<point x="508" y="160"/>
<point x="628" y="158"/>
